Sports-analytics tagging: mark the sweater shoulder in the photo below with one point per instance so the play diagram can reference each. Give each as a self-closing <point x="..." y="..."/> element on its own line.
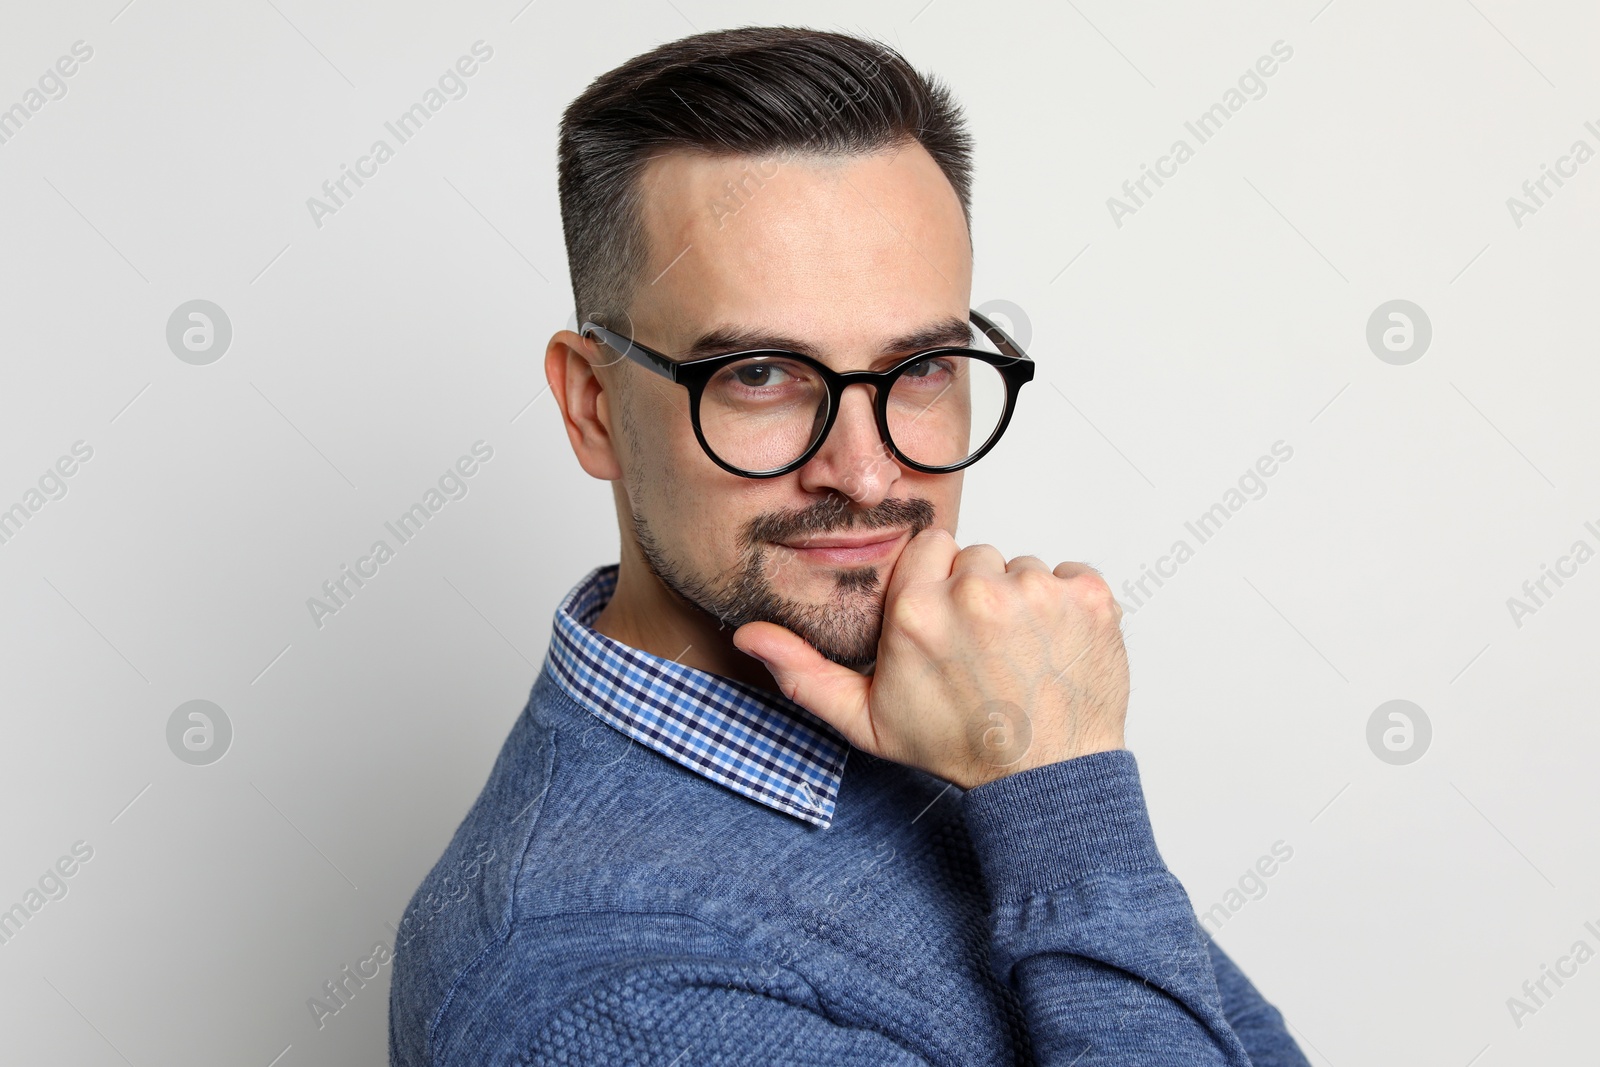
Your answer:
<point x="588" y="857"/>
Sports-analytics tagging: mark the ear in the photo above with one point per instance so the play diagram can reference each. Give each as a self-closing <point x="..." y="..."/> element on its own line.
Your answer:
<point x="586" y="408"/>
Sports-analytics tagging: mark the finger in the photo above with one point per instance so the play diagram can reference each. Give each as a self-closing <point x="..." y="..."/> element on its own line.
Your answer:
<point x="926" y="558"/>
<point x="1078" y="570"/>
<point x="1026" y="563"/>
<point x="979" y="559"/>
<point x="833" y="693"/>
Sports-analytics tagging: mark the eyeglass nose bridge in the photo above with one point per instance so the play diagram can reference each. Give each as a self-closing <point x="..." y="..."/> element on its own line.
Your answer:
<point x="881" y="381"/>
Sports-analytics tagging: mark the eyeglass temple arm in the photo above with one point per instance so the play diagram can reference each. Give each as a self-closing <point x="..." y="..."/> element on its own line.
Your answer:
<point x="1001" y="339"/>
<point x="633" y="350"/>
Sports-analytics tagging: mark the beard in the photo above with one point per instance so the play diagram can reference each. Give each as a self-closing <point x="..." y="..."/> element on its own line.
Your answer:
<point x="844" y="628"/>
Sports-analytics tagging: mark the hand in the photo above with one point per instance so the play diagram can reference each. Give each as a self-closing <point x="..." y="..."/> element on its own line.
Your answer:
<point x="984" y="668"/>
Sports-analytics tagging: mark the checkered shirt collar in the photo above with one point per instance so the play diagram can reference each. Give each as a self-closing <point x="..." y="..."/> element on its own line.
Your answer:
<point x="756" y="743"/>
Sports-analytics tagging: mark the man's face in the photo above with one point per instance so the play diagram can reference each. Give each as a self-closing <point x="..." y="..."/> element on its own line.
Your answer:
<point x="845" y="255"/>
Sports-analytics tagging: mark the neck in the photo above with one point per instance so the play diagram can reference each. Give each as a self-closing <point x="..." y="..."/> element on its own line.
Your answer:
<point x="644" y="614"/>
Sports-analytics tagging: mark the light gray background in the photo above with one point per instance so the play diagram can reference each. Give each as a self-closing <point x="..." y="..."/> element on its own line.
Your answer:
<point x="368" y="354"/>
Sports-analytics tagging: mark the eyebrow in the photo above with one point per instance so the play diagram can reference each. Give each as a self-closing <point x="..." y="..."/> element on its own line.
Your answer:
<point x="723" y="339"/>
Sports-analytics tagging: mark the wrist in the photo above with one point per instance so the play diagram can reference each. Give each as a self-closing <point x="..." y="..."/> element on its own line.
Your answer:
<point x="1042" y="757"/>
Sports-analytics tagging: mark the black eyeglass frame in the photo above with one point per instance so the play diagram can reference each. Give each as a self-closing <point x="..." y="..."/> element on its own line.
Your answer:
<point x="1014" y="365"/>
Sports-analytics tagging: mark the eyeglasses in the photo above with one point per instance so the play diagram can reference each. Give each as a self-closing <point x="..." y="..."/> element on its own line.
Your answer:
<point x="764" y="412"/>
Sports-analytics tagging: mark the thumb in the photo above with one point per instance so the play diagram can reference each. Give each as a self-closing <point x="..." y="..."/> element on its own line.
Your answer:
<point x="833" y="693"/>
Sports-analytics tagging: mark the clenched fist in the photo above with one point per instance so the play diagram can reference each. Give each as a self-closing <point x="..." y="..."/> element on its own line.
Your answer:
<point x="984" y="667"/>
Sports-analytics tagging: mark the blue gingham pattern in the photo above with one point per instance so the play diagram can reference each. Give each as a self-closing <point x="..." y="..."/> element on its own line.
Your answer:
<point x="758" y="744"/>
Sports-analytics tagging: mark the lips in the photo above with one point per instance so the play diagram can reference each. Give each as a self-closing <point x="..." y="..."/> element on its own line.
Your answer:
<point x="871" y="537"/>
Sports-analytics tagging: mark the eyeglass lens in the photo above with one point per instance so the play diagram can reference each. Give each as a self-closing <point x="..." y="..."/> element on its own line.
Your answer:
<point x="762" y="413"/>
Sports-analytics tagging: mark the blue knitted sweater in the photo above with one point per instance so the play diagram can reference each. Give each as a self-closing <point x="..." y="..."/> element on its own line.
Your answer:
<point x="601" y="904"/>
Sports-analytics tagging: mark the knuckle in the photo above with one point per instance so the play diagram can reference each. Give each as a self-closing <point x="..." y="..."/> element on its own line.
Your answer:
<point x="904" y="613"/>
<point x="1095" y="595"/>
<point x="1041" y="588"/>
<point x="975" y="595"/>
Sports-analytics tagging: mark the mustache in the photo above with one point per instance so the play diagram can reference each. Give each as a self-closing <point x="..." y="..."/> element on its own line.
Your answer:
<point x="833" y="513"/>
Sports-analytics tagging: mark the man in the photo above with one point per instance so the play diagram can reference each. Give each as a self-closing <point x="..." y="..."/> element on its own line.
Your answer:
<point x="801" y="781"/>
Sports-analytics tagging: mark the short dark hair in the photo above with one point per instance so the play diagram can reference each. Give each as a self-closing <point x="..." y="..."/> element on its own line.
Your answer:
<point x="751" y="91"/>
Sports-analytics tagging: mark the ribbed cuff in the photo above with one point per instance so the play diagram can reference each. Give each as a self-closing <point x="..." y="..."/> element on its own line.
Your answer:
<point x="1046" y="827"/>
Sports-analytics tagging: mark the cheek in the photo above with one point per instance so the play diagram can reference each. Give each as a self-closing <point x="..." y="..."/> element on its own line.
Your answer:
<point x="649" y="432"/>
<point x="685" y="498"/>
<point x="943" y="491"/>
<point x="661" y="436"/>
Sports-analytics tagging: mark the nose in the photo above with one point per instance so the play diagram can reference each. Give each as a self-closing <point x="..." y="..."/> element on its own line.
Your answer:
<point x="854" y="459"/>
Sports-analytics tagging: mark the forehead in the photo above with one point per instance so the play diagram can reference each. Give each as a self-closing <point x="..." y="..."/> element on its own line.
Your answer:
<point x="818" y="246"/>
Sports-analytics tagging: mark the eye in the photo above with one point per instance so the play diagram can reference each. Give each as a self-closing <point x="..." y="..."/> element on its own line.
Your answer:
<point x="763" y="375"/>
<point x="929" y="368"/>
<point x="756" y="375"/>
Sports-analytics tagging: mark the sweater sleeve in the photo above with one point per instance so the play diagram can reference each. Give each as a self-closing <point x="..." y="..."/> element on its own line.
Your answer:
<point x="1097" y="937"/>
<point x="1256" y="1022"/>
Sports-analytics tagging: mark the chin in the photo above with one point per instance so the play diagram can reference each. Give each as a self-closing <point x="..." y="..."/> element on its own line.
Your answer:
<point x="856" y="648"/>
